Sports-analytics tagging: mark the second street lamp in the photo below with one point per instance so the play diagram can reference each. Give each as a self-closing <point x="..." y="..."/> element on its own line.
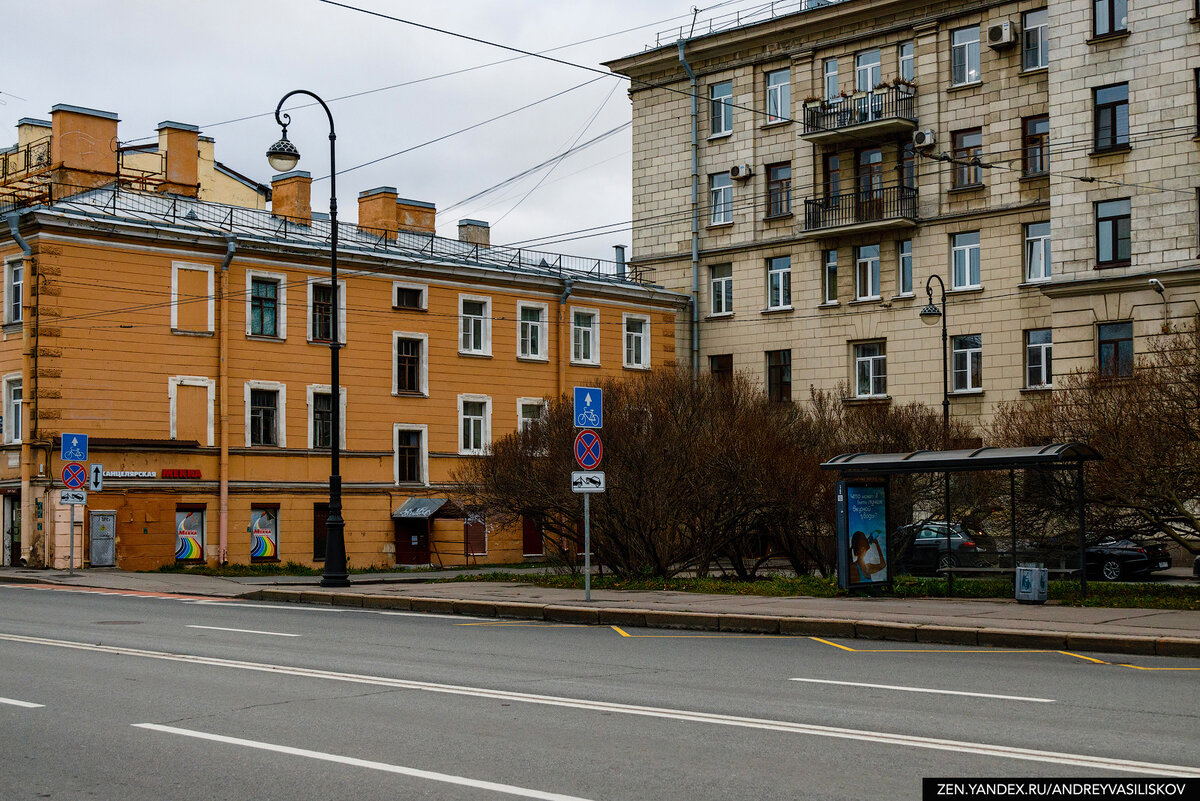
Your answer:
<point x="284" y="156"/>
<point x="930" y="315"/>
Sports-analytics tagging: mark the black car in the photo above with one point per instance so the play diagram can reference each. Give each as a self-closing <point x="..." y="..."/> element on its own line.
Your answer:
<point x="1115" y="559"/>
<point x="922" y="548"/>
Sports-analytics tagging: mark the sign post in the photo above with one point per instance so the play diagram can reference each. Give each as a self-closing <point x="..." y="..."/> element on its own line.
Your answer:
<point x="589" y="450"/>
<point x="73" y="477"/>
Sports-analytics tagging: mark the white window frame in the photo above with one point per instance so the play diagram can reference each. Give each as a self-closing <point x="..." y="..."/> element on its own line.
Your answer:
<point x="1040" y="37"/>
<point x="829" y="73"/>
<point x="323" y="389"/>
<point x="867" y="73"/>
<point x="176" y="267"/>
<point x="12" y="416"/>
<point x="523" y="402"/>
<point x="485" y="327"/>
<point x="593" y="329"/>
<point x="721" y="287"/>
<point x="1040" y="245"/>
<point x="423" y="430"/>
<point x="543" y="354"/>
<point x="779" y="283"/>
<point x="18" y="263"/>
<point x="422" y="288"/>
<point x="280" y="411"/>
<point x="422" y="369"/>
<point x="720" y="199"/>
<point x="873" y="362"/>
<point x="829" y="294"/>
<point x="485" y="428"/>
<point x="174" y="382"/>
<point x="1046" y="349"/>
<point x="281" y="283"/>
<point x="907" y="62"/>
<point x="973" y="354"/>
<point x="720" y="109"/>
<point x="781" y="94"/>
<point x="904" y="268"/>
<point x="644" y="364"/>
<point x="869" y="291"/>
<point x="968" y="47"/>
<point x="341" y="309"/>
<point x="962" y="254"/>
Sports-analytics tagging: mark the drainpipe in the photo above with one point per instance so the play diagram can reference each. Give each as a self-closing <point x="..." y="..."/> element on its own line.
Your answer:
<point x="223" y="389"/>
<point x="695" y="321"/>
<point x="568" y="285"/>
<point x="28" y="390"/>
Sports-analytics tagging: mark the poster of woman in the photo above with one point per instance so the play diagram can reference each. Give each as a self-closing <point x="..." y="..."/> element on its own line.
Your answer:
<point x="866" y="530"/>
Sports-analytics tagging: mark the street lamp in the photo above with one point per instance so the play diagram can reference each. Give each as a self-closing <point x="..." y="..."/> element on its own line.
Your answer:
<point x="283" y="156"/>
<point x="931" y="315"/>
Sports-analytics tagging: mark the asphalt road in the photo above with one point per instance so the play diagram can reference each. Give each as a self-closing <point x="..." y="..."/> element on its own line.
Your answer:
<point x="166" y="698"/>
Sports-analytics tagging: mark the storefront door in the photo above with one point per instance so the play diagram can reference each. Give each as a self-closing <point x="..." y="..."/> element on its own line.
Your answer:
<point x="412" y="541"/>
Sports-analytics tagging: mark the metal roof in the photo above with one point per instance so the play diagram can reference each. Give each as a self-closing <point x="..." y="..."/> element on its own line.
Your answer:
<point x="421" y="508"/>
<point x="1058" y="455"/>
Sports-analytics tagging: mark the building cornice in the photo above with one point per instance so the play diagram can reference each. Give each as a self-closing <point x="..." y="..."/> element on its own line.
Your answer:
<point x="1090" y="284"/>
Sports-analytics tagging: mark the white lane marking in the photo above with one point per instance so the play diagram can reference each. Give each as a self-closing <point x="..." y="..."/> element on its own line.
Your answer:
<point x="22" y="704"/>
<point x="445" y="778"/>
<point x="911" y="741"/>
<point x="925" y="690"/>
<point x="244" y="631"/>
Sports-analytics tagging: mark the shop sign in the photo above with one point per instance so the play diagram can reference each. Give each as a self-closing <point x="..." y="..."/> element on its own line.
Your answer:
<point x="264" y="534"/>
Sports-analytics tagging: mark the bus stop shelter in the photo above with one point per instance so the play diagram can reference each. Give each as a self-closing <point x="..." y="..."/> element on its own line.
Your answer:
<point x="1063" y="456"/>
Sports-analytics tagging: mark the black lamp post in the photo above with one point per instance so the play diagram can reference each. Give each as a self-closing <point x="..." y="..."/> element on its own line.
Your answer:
<point x="283" y="156"/>
<point x="930" y="315"/>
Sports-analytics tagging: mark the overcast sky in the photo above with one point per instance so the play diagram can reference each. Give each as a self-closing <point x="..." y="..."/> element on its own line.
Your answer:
<point x="211" y="62"/>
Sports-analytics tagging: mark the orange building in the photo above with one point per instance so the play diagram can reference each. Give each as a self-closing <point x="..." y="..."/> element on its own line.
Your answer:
<point x="189" y="339"/>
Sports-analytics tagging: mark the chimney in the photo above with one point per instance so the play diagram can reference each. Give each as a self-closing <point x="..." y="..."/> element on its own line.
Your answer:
<point x="179" y="142"/>
<point x="477" y="232"/>
<point x="619" y="258"/>
<point x="377" y="211"/>
<point x="31" y="130"/>
<point x="84" y="146"/>
<point x="415" y="216"/>
<point x="291" y="196"/>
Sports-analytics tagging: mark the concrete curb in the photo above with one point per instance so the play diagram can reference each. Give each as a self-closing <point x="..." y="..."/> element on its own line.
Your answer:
<point x="797" y="626"/>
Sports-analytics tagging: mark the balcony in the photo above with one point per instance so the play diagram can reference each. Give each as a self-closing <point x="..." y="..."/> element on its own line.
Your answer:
<point x="883" y="209"/>
<point x="864" y="115"/>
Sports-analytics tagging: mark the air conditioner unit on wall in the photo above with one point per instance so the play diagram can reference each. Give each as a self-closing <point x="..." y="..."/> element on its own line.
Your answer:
<point x="1001" y="35"/>
<point x="924" y="138"/>
<point x="741" y="171"/>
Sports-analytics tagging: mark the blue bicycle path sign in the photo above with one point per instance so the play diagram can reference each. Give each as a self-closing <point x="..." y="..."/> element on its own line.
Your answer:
<point x="589" y="407"/>
<point x="74" y="448"/>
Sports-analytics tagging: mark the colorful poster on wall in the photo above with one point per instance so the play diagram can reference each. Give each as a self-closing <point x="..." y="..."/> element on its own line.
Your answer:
<point x="189" y="535"/>
<point x="866" y="535"/>
<point x="264" y="534"/>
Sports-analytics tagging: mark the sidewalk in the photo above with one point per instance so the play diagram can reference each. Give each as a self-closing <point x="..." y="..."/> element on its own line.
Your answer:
<point x="933" y="620"/>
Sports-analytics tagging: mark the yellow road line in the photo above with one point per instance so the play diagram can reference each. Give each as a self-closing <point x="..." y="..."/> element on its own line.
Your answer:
<point x="530" y="625"/>
<point x="834" y="644"/>
<point x="624" y="633"/>
<point x="1139" y="667"/>
<point x="1088" y="658"/>
<point x="621" y="631"/>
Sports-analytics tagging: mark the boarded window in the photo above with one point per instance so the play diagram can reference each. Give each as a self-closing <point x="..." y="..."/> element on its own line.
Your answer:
<point x="191" y="413"/>
<point x="531" y="535"/>
<point x="475" y="536"/>
<point x="191" y="300"/>
<point x="320" y="530"/>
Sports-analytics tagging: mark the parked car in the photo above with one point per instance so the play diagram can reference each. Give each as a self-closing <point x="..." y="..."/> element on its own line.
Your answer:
<point x="1115" y="559"/>
<point x="922" y="548"/>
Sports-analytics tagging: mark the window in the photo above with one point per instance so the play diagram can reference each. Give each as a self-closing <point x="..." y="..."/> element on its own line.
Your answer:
<point x="1116" y="350"/>
<point x="411" y="360"/>
<point x="264" y="307"/>
<point x="779" y="282"/>
<point x="264" y="417"/>
<point x="529" y="411"/>
<point x="779" y="376"/>
<point x="474" y="423"/>
<point x="964" y="55"/>
<point x="192" y="299"/>
<point x="722" y="288"/>
<point x="637" y="341"/>
<point x="322" y="420"/>
<point x="409" y="296"/>
<point x="191" y="400"/>
<point x="1112" y="116"/>
<point x="829" y="292"/>
<point x="968" y="149"/>
<point x="964" y="256"/>
<point x="721" y="366"/>
<point x="968" y="363"/>
<point x="906" y="60"/>
<point x="1035" y="152"/>
<point x="1037" y="251"/>
<point x="1038" y="372"/>
<point x="870" y="369"/>
<point x="1112" y="233"/>
<point x="321" y="311"/>
<point x="475" y="325"/>
<point x="831" y="79"/>
<point x="14" y="284"/>
<point x="720" y="198"/>
<point x="833" y="176"/>
<point x="320" y="530"/>
<point x="531" y="333"/>
<point x="264" y="533"/>
<point x="190" y="531"/>
<point x="411" y="459"/>
<point x="585" y="336"/>
<point x="866" y="272"/>
<point x="779" y="189"/>
<point x="904" y="279"/>
<point x="1108" y="16"/>
<point x="12" y="408"/>
<point x="475" y="535"/>
<point x="779" y="95"/>
<point x="908" y="166"/>
<point x="1035" y="42"/>
<point x="720" y="105"/>
<point x="867" y="72"/>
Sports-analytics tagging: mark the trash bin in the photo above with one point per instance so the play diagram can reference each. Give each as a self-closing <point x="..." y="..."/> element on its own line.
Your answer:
<point x="1031" y="583"/>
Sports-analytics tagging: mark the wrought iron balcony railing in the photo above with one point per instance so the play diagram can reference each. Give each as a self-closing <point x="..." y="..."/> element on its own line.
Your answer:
<point x="890" y="206"/>
<point x="895" y="106"/>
